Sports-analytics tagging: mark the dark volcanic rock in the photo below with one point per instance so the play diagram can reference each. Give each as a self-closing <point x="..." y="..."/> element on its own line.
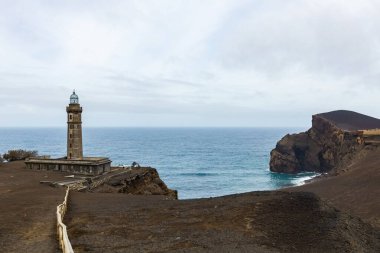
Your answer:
<point x="136" y="181"/>
<point x="325" y="147"/>
<point x="350" y="121"/>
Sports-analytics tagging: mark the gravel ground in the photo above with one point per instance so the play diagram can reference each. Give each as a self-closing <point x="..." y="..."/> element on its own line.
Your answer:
<point x="252" y="222"/>
<point x="27" y="220"/>
<point x="356" y="189"/>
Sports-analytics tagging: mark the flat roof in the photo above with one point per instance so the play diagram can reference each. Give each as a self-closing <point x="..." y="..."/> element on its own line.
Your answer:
<point x="84" y="161"/>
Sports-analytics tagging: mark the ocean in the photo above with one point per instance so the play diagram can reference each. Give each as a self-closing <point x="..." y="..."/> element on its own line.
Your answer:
<point x="198" y="162"/>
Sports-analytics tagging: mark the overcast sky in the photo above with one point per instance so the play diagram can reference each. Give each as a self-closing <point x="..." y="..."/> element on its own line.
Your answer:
<point x="188" y="63"/>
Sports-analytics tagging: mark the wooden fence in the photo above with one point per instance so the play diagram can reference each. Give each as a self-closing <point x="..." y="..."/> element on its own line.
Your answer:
<point x="63" y="238"/>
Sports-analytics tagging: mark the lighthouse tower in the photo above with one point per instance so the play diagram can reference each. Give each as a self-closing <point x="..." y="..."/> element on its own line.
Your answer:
<point x="74" y="129"/>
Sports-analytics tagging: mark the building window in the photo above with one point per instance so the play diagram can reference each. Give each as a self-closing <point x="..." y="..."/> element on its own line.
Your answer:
<point x="71" y="126"/>
<point x="71" y="136"/>
<point x="70" y="145"/>
<point x="71" y="116"/>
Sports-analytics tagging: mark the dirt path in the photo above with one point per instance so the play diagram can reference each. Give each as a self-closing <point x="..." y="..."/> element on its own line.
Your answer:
<point x="27" y="208"/>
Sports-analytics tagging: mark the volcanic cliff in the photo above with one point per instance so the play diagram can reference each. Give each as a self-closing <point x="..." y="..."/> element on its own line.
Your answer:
<point x="136" y="181"/>
<point x="327" y="146"/>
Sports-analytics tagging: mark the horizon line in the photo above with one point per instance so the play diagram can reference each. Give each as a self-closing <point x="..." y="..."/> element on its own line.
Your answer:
<point x="2" y="127"/>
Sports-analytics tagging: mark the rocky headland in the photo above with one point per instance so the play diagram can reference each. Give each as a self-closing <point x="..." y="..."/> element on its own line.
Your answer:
<point x="351" y="168"/>
<point x="328" y="146"/>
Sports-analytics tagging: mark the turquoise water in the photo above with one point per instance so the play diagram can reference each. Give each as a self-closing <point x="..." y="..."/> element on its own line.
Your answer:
<point x="198" y="162"/>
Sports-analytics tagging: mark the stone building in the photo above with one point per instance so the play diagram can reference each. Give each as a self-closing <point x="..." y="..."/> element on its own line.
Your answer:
<point x="74" y="128"/>
<point x="74" y="162"/>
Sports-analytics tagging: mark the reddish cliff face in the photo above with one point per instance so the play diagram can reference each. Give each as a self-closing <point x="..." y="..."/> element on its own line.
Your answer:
<point x="323" y="148"/>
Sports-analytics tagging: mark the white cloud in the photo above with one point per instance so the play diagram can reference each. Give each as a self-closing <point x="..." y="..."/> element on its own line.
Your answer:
<point x="188" y="62"/>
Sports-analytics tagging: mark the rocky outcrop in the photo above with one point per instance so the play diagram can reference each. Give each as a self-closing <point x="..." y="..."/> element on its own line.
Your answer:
<point x="136" y="181"/>
<point x="323" y="148"/>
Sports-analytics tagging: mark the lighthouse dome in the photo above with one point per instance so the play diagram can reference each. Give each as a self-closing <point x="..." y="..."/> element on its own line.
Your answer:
<point x="74" y="98"/>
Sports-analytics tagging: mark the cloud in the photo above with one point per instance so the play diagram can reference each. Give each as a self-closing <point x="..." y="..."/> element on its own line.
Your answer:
<point x="248" y="63"/>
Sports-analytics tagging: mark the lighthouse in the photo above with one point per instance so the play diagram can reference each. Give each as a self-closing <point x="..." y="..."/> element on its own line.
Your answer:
<point x="74" y="161"/>
<point x="74" y="129"/>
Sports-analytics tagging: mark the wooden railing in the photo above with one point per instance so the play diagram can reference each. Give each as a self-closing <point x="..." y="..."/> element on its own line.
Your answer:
<point x="63" y="238"/>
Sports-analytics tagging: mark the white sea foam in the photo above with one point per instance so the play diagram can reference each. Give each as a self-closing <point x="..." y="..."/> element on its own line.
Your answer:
<point x="302" y="178"/>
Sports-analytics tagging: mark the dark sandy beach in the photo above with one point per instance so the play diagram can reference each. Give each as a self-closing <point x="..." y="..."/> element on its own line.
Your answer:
<point x="356" y="189"/>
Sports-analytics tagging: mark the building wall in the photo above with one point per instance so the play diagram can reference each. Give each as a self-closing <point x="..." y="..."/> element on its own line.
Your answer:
<point x="74" y="132"/>
<point x="73" y="168"/>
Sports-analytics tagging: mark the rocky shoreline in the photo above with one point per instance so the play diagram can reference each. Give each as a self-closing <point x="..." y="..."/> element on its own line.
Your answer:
<point x="329" y="146"/>
<point x="350" y="173"/>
